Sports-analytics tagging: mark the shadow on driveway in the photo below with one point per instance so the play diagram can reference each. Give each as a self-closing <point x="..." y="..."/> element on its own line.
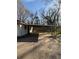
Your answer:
<point x="33" y="37"/>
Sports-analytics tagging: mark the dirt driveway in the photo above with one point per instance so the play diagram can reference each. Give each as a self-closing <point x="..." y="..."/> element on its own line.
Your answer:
<point x="45" y="48"/>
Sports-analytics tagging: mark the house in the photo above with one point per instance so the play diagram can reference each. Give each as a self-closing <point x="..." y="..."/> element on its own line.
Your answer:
<point x="21" y="29"/>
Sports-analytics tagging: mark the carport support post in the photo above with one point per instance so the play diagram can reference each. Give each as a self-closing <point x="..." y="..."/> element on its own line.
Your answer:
<point x="51" y="29"/>
<point x="28" y="30"/>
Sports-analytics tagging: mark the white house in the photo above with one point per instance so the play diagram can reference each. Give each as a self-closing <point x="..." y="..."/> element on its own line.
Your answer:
<point x="21" y="29"/>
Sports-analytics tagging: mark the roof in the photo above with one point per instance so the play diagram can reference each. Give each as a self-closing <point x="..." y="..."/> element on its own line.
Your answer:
<point x="35" y="25"/>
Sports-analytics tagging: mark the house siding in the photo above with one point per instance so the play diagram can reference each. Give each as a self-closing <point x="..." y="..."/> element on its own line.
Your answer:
<point x="21" y="30"/>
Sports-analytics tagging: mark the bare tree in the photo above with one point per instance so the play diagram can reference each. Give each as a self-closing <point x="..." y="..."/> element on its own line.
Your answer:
<point x="22" y="12"/>
<point x="52" y="16"/>
<point x="34" y="18"/>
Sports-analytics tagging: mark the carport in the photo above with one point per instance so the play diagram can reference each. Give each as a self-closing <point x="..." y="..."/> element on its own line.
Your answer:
<point x="32" y="37"/>
<point x="35" y="25"/>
